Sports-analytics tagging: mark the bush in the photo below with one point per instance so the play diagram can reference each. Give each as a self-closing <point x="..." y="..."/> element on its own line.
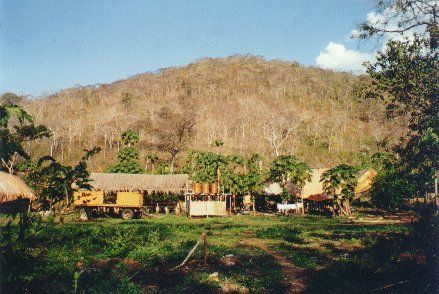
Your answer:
<point x="390" y="189"/>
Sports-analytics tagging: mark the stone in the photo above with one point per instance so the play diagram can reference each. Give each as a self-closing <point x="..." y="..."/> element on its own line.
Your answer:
<point x="214" y="277"/>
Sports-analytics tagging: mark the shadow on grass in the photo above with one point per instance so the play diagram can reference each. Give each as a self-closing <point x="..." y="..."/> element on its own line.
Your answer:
<point x="281" y="233"/>
<point x="389" y="263"/>
<point x="308" y="258"/>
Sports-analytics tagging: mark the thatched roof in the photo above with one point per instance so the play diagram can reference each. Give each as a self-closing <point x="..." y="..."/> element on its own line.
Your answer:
<point x="314" y="186"/>
<point x="314" y="189"/>
<point x="13" y="188"/>
<point x="365" y="180"/>
<point x="139" y="182"/>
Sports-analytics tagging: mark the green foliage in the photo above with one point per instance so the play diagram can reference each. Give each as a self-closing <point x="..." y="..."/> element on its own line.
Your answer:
<point x="406" y="76"/>
<point x="203" y="166"/>
<point x="13" y="137"/>
<point x="163" y="197"/>
<point x="55" y="182"/>
<point x="340" y="181"/>
<point x="218" y="143"/>
<point x="163" y="169"/>
<point x="287" y="169"/>
<point x="130" y="137"/>
<point x="128" y="155"/>
<point x="115" y="256"/>
<point x="239" y="175"/>
<point x="390" y="189"/>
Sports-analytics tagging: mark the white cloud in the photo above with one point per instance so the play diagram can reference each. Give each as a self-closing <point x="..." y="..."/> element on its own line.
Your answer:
<point x="337" y="57"/>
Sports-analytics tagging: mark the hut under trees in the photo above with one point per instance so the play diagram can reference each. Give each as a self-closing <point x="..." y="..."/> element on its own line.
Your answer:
<point x="15" y="195"/>
<point x="316" y="197"/>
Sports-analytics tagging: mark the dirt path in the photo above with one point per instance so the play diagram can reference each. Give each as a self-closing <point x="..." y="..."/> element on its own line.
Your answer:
<point x="295" y="277"/>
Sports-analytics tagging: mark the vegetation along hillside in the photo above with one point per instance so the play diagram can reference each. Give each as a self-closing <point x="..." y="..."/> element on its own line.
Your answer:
<point x="251" y="104"/>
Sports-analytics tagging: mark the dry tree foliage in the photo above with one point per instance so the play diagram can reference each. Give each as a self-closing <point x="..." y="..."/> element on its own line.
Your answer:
<point x="253" y="105"/>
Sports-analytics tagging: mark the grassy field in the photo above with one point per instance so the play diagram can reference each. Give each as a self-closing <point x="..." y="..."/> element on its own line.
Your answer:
<point x="270" y="254"/>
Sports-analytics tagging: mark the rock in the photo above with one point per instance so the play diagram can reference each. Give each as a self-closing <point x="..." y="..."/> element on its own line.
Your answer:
<point x="80" y="264"/>
<point x="233" y="288"/>
<point x="214" y="277"/>
<point x="150" y="289"/>
<point x="228" y="260"/>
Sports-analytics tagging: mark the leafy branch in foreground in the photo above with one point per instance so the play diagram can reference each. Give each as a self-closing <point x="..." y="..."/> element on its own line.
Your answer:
<point x="55" y="183"/>
<point x="16" y="128"/>
<point x="406" y="77"/>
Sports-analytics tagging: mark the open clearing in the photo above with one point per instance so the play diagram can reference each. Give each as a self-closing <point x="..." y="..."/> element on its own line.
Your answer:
<point x="270" y="254"/>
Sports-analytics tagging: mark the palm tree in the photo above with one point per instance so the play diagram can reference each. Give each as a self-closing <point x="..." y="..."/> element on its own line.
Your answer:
<point x="340" y="182"/>
<point x="286" y="169"/>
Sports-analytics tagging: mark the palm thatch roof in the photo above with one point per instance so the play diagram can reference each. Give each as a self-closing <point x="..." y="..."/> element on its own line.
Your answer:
<point x="139" y="182"/>
<point x="365" y="180"/>
<point x="313" y="189"/>
<point x="314" y="186"/>
<point x="13" y="188"/>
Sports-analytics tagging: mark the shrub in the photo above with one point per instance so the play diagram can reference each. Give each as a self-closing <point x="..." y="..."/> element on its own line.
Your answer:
<point x="390" y="189"/>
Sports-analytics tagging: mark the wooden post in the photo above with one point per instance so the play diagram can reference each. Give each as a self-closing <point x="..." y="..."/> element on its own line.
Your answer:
<point x="205" y="248"/>
<point x="303" y="205"/>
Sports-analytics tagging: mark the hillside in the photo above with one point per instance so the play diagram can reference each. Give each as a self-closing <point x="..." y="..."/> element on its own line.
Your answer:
<point x="253" y="105"/>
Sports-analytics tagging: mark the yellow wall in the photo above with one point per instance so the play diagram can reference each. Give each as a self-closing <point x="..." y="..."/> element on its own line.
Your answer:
<point x="88" y="198"/>
<point x="129" y="199"/>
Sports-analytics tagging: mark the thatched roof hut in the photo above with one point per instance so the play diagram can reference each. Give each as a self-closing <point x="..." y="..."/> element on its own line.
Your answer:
<point x="13" y="188"/>
<point x="314" y="186"/>
<point x="313" y="190"/>
<point x="139" y="182"/>
<point x="364" y="181"/>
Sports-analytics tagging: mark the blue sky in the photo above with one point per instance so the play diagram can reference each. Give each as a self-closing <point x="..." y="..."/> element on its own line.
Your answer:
<point x="49" y="45"/>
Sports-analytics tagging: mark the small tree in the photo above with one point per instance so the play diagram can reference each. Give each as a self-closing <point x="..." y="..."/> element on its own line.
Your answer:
<point x="340" y="182"/>
<point x="54" y="182"/>
<point x="128" y="156"/>
<point x="390" y="189"/>
<point x="238" y="174"/>
<point x="129" y="138"/>
<point x="287" y="169"/>
<point x="12" y="137"/>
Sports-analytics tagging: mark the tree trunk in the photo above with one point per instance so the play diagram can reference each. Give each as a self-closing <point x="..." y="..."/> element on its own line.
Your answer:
<point x="172" y="163"/>
<point x="303" y="205"/>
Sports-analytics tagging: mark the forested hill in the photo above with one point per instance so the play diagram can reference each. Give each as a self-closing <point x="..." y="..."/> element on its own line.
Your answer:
<point x="253" y="105"/>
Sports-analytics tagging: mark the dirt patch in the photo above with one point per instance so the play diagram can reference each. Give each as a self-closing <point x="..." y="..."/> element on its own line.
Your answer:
<point x="295" y="277"/>
<point x="385" y="218"/>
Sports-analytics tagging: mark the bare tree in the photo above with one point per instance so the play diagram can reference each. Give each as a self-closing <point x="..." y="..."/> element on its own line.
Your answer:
<point x="277" y="130"/>
<point x="174" y="132"/>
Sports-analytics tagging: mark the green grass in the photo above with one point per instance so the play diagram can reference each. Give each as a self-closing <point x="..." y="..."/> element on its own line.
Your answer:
<point x="115" y="256"/>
